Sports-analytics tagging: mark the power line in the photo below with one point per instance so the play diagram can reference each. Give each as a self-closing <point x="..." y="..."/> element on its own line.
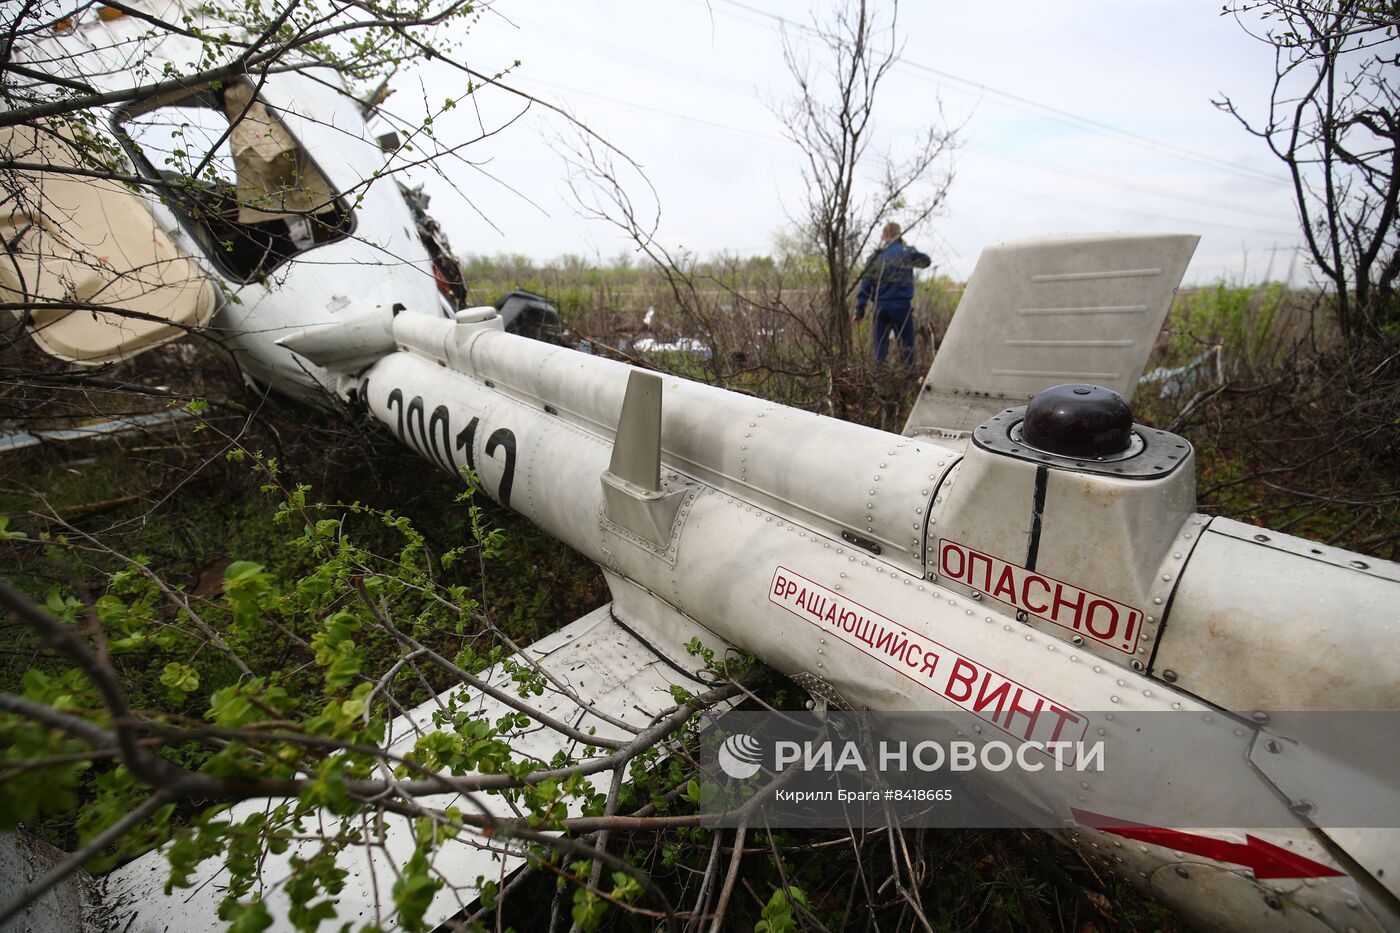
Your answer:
<point x="1033" y="195"/>
<point x="1130" y="212"/>
<point x="1060" y="115"/>
<point x="663" y="67"/>
<point x="632" y="105"/>
<point x="1154" y="190"/>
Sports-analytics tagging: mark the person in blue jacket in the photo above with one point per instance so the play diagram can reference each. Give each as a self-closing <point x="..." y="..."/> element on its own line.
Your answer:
<point x="889" y="281"/>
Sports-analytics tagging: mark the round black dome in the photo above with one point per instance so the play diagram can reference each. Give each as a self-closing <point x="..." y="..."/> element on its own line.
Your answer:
<point x="1078" y="421"/>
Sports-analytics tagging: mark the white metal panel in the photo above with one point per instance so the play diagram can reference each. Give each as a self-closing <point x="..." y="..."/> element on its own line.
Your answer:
<point x="752" y="510"/>
<point x="65" y="908"/>
<point x="1376" y="849"/>
<point x="1326" y="768"/>
<point x="1226" y="896"/>
<point x="1123" y="539"/>
<point x="1046" y="311"/>
<point x="831" y="474"/>
<point x="382" y="263"/>
<point x="1215" y="893"/>
<point x="1255" y="626"/>
<point x="731" y="549"/>
<point x="599" y="659"/>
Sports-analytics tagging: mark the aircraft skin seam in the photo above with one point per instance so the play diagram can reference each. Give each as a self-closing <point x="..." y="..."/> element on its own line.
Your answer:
<point x="943" y="482"/>
<point x="1042" y="478"/>
<point x="1166" y="612"/>
<point x="688" y="675"/>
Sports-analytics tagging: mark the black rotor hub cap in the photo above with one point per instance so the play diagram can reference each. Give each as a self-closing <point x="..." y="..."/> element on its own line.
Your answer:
<point x="1078" y="421"/>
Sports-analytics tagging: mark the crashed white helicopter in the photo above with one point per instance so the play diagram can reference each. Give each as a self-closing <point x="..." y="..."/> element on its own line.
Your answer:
<point x="1027" y="563"/>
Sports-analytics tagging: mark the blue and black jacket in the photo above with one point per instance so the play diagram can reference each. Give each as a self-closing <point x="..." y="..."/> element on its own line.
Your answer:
<point x="889" y="278"/>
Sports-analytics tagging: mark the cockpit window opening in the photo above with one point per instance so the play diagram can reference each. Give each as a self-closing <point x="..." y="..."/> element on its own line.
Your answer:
<point x="240" y="182"/>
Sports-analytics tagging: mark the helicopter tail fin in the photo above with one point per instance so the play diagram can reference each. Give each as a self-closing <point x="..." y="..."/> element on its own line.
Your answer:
<point x="1045" y="311"/>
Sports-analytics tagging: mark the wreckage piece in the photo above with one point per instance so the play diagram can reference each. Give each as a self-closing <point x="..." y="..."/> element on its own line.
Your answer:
<point x="104" y="281"/>
<point x="970" y="568"/>
<point x="319" y="235"/>
<point x="599" y="657"/>
<point x="531" y="315"/>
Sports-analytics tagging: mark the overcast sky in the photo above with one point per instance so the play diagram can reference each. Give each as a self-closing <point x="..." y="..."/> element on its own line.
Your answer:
<point x="1093" y="115"/>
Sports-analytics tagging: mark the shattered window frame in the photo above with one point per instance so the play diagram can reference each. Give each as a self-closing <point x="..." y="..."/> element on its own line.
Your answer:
<point x="241" y="251"/>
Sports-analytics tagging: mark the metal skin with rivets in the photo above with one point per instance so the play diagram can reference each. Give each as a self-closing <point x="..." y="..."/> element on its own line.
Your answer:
<point x="767" y="489"/>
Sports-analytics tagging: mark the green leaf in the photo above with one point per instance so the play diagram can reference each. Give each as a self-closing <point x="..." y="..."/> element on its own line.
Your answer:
<point x="246" y="918"/>
<point x="241" y="570"/>
<point x="414" y="891"/>
<point x="588" y="910"/>
<point x="777" y="914"/>
<point x="625" y="887"/>
<point x="180" y="677"/>
<point x="230" y="708"/>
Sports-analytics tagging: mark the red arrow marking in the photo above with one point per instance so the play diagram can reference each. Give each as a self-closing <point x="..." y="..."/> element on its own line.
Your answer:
<point x="1266" y="859"/>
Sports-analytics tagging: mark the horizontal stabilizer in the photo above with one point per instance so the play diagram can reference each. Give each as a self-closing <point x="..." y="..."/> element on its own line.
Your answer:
<point x="610" y="672"/>
<point x="1046" y="311"/>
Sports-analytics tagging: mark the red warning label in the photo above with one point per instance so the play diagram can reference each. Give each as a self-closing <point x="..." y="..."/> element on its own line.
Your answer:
<point x="1010" y="706"/>
<point x="1104" y="620"/>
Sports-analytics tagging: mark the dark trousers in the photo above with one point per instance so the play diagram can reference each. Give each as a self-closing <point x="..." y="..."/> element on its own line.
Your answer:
<point x="900" y="321"/>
